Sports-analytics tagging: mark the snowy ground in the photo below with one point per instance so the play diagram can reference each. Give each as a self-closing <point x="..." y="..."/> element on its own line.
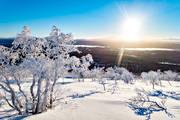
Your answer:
<point x="87" y="101"/>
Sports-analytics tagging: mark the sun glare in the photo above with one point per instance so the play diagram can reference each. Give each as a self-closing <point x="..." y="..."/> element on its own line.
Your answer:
<point x="131" y="29"/>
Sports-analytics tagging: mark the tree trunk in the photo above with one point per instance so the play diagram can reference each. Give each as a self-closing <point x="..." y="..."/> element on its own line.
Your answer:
<point x="38" y="104"/>
<point x="32" y="94"/>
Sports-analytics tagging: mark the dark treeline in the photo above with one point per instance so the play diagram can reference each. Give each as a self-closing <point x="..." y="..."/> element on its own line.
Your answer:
<point x="135" y="61"/>
<point x="7" y="42"/>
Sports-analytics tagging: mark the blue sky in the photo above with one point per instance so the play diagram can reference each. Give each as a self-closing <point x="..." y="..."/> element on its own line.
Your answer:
<point x="90" y="18"/>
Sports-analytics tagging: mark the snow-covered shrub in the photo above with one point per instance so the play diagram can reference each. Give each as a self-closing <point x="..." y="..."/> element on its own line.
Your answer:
<point x="118" y="73"/>
<point x="40" y="62"/>
<point x="112" y="74"/>
<point x="98" y="74"/>
<point x="127" y="76"/>
<point x="152" y="77"/>
<point x="155" y="78"/>
<point x="115" y="73"/>
<point x="80" y="67"/>
<point x="145" y="105"/>
<point x="86" y="61"/>
<point x="170" y="76"/>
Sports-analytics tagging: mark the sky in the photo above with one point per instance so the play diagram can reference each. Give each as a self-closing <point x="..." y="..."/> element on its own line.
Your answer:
<point x="90" y="18"/>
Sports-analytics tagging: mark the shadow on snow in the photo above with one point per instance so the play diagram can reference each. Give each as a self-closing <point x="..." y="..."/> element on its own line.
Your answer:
<point x="147" y="111"/>
<point x="160" y="94"/>
<point x="63" y="83"/>
<point x="142" y="104"/>
<point x="4" y="115"/>
<point x="83" y="95"/>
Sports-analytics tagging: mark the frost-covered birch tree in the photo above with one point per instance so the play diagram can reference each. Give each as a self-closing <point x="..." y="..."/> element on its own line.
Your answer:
<point x="38" y="61"/>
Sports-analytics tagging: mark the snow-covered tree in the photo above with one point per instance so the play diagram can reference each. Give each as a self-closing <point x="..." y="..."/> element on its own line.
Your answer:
<point x="98" y="74"/>
<point x="152" y="77"/>
<point x="126" y="76"/>
<point x="80" y="67"/>
<point x="110" y="73"/>
<point x="170" y="76"/>
<point x="118" y="73"/>
<point x="41" y="61"/>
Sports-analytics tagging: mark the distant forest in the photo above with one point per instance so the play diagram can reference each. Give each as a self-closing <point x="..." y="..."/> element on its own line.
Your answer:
<point x="6" y="41"/>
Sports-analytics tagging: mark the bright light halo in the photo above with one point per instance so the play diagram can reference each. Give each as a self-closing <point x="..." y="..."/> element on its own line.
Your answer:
<point x="131" y="29"/>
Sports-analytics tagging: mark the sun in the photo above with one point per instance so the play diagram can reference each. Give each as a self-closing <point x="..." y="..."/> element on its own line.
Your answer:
<point x="131" y="29"/>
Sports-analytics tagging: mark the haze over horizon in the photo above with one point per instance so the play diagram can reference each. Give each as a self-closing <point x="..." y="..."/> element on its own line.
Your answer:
<point x="92" y="19"/>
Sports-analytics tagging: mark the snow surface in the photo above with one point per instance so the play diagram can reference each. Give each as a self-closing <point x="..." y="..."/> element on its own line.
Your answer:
<point x="88" y="101"/>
